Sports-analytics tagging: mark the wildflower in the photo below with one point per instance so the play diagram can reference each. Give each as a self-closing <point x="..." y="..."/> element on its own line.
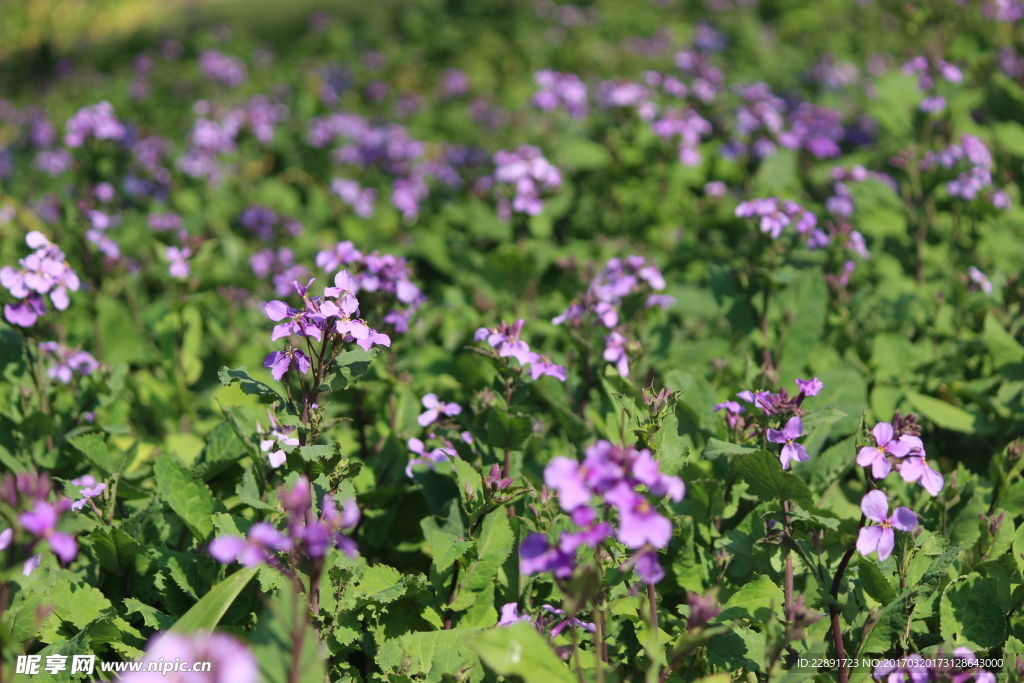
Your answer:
<point x="230" y="660"/>
<point x="280" y="362"/>
<point x="980" y="279"/>
<point x="89" y="489"/>
<point x="262" y="540"/>
<point x="733" y="410"/>
<point x="296" y="322"/>
<point x="703" y="608"/>
<point x="435" y="407"/>
<point x="277" y="436"/>
<point x="42" y="522"/>
<point x="98" y="120"/>
<point x="560" y="89"/>
<point x="793" y="430"/>
<point x="639" y="522"/>
<point x="539" y="365"/>
<point x="877" y="456"/>
<point x="69" y="361"/>
<point x="505" y="338"/>
<point x="810" y="387"/>
<point x="880" y="537"/>
<point x="615" y="352"/>
<point x="426" y="458"/>
<point x="585" y="625"/>
<point x="916" y="468"/>
<point x="536" y="555"/>
<point x="510" y="615"/>
<point x="180" y="268"/>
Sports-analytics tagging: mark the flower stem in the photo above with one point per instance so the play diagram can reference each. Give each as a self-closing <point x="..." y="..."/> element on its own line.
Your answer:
<point x="837" y="630"/>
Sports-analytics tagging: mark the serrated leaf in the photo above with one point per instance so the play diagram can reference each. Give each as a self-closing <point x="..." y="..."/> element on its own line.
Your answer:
<point x="518" y="650"/>
<point x="249" y="386"/>
<point x="414" y="653"/>
<point x="494" y="546"/>
<point x="188" y="496"/>
<point x="874" y="582"/>
<point x="755" y="600"/>
<point x="94" y="447"/>
<point x="114" y="549"/>
<point x="381" y="583"/>
<point x="223" y="448"/>
<point x="207" y="613"/>
<point x="970" y="613"/>
<point x="764" y="474"/>
<point x="183" y="570"/>
<point x="249" y="492"/>
<point x="716" y="448"/>
<point x="671" y="449"/>
<point x="508" y="432"/>
<point x="349" y="367"/>
<point x="151" y="616"/>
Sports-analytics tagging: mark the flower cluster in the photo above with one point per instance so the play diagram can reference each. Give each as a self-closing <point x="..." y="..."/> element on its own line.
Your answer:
<point x="926" y="74"/>
<point x="622" y="94"/>
<point x="377" y="274"/>
<point x="505" y="338"/>
<point x="618" y="279"/>
<point x="781" y="406"/>
<point x="610" y="476"/>
<point x="43" y="272"/>
<point x="759" y="121"/>
<point x="264" y="223"/>
<point x="899" y="444"/>
<point x="30" y="492"/>
<point x="689" y="127"/>
<point x="528" y="175"/>
<point x="98" y="121"/>
<point x="222" y="69"/>
<point x="815" y="129"/>
<point x="320" y="317"/>
<point x="970" y="183"/>
<point x="361" y="200"/>
<point x="776" y="214"/>
<point x="556" y="90"/>
<point x="68" y="361"/>
<point x="307" y="534"/>
<point x="281" y="266"/>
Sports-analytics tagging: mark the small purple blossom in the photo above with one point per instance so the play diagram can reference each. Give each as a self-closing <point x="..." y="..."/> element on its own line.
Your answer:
<point x="69" y="361"/>
<point x="425" y="457"/>
<point x="435" y="408"/>
<point x="280" y="362"/>
<point x="89" y="488"/>
<point x="915" y="467"/>
<point x="810" y="387"/>
<point x="41" y="522"/>
<point x="258" y="546"/>
<point x="880" y="536"/>
<point x="793" y="430"/>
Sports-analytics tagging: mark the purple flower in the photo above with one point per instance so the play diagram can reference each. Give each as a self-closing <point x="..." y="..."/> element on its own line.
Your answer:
<point x="810" y="387"/>
<point x="262" y="540"/>
<point x="703" y="608"/>
<point x="230" y="660"/>
<point x="180" y="268"/>
<point x="648" y="567"/>
<point x="435" y="407"/>
<point x="98" y="120"/>
<point x="505" y="338"/>
<point x="567" y="477"/>
<point x="877" y="456"/>
<point x="426" y="458"/>
<point x="280" y="362"/>
<point x="639" y="522"/>
<point x="916" y="468"/>
<point x="980" y="279"/>
<point x="560" y="89"/>
<point x="277" y="436"/>
<point x="615" y="352"/>
<point x="41" y="522"/>
<point x="69" y="361"/>
<point x="296" y="322"/>
<point x="793" y="430"/>
<point x="576" y="623"/>
<point x="539" y="365"/>
<point x="535" y="556"/>
<point x="646" y="471"/>
<point x="510" y="615"/>
<point x="89" y="489"/>
<point x="6" y="536"/>
<point x="220" y="68"/>
<point x="880" y="537"/>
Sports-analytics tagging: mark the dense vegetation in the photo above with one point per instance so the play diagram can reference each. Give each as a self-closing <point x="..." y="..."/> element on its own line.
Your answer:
<point x="456" y="341"/>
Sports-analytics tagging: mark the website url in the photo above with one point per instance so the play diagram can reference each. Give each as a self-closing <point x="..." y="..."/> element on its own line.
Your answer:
<point x="31" y="665"/>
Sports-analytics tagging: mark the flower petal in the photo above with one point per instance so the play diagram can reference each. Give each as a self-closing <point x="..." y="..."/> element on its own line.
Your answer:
<point x="875" y="505"/>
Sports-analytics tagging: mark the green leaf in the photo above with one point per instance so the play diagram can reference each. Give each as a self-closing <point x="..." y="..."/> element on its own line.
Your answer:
<point x="381" y="583"/>
<point x="716" y="448"/>
<point x="822" y="417"/>
<point x="518" y="650"/>
<point x="764" y="474"/>
<point x="447" y="549"/>
<point x="1001" y="344"/>
<point x="874" y="582"/>
<point x="1010" y="136"/>
<point x="151" y="616"/>
<point x="755" y="600"/>
<point x="207" y="613"/>
<point x="670" y="449"/>
<point x="283" y="628"/>
<point x="114" y="549"/>
<point x="494" y="546"/>
<point x="809" y="297"/>
<point x="508" y="432"/>
<point x="417" y="653"/>
<point x="349" y="367"/>
<point x="943" y="414"/>
<point x="223" y="449"/>
<point x="971" y="614"/>
<point x="188" y="496"/>
<point x="250" y="386"/>
<point x="94" y="447"/>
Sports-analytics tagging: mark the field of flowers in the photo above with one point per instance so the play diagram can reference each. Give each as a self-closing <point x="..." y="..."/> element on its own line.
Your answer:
<point x="477" y="341"/>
